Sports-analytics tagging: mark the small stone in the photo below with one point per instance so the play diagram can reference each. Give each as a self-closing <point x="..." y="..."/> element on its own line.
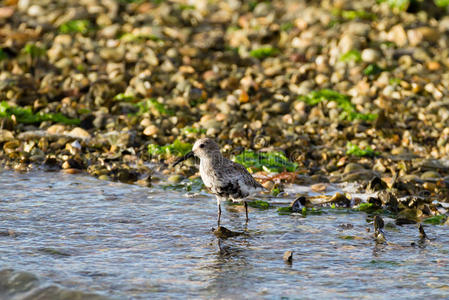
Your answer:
<point x="370" y="55"/>
<point x="35" y="10"/>
<point x="175" y="178"/>
<point x="433" y="65"/>
<point x="280" y="108"/>
<point x="398" y="35"/>
<point x="430" y="175"/>
<point x="56" y="129"/>
<point x="417" y="35"/>
<point x="340" y="198"/>
<point x="223" y="232"/>
<point x="389" y="200"/>
<point x="104" y="177"/>
<point x="298" y="204"/>
<point x="376" y="184"/>
<point x="71" y="171"/>
<point x="407" y="216"/>
<point x="422" y="233"/>
<point x="6" y="135"/>
<point x="288" y="256"/>
<point x="378" y="223"/>
<point x="151" y="130"/>
<point x="353" y="167"/>
<point x="80" y="133"/>
<point x="6" y="12"/>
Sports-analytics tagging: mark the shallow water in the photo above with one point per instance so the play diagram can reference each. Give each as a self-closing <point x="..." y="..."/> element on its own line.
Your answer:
<point x="77" y="233"/>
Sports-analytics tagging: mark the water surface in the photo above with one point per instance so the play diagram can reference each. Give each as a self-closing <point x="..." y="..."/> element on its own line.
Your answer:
<point x="78" y="233"/>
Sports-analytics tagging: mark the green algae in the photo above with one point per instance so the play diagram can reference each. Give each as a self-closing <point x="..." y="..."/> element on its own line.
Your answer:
<point x="344" y="102"/>
<point x="177" y="148"/>
<point x="352" y="149"/>
<point x="265" y="161"/>
<point x="25" y="115"/>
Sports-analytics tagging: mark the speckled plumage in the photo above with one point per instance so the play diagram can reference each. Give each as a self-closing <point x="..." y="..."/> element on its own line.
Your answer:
<point x="227" y="179"/>
<point x="223" y="177"/>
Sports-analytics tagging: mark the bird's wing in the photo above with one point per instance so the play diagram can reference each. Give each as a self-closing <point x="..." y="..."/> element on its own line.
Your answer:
<point x="247" y="178"/>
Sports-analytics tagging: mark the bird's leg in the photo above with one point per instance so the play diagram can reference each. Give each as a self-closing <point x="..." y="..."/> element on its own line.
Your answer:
<point x="219" y="212"/>
<point x="246" y="211"/>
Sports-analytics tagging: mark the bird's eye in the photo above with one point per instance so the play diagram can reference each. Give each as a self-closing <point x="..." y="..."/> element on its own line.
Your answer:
<point x="202" y="146"/>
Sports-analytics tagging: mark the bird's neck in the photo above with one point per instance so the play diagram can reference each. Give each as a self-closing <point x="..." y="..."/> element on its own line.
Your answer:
<point x="214" y="160"/>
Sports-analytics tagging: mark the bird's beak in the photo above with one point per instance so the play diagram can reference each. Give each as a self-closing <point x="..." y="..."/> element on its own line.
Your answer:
<point x="187" y="156"/>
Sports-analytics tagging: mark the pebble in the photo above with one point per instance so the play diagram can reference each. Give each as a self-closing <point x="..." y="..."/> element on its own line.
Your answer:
<point x="79" y="133"/>
<point x="370" y="55"/>
<point x="288" y="256"/>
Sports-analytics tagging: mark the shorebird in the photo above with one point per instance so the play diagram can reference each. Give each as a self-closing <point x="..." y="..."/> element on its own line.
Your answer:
<point x="223" y="177"/>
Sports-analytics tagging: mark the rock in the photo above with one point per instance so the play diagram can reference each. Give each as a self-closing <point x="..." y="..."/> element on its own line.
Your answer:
<point x="298" y="204"/>
<point x="175" y="178"/>
<point x="430" y="175"/>
<point x="378" y="223"/>
<point x="376" y="184"/>
<point x="145" y="181"/>
<point x="422" y="233"/>
<point x="398" y="35"/>
<point x="151" y="130"/>
<point x="389" y="200"/>
<point x="223" y="232"/>
<point x="341" y="199"/>
<point x="361" y="175"/>
<point x="71" y="171"/>
<point x="379" y="234"/>
<point x="376" y="202"/>
<point x="79" y="133"/>
<point x="6" y="12"/>
<point x="56" y="129"/>
<point x="280" y="108"/>
<point x="407" y="216"/>
<point x="288" y="257"/>
<point x="370" y="55"/>
<point x="352" y="167"/>
<point x="6" y="135"/>
<point x="417" y="35"/>
<point x="11" y="146"/>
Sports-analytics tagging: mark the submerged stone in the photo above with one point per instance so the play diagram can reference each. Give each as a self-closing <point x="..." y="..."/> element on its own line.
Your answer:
<point x="376" y="184"/>
<point x="223" y="232"/>
<point x="288" y="257"/>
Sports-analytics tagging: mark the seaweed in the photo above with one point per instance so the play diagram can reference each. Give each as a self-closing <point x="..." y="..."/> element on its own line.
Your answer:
<point x="33" y="50"/>
<point x="76" y="26"/>
<point x="3" y="55"/>
<point x="349" y="112"/>
<point x="351" y="55"/>
<point x="264" y="52"/>
<point x="364" y="207"/>
<point x="177" y="148"/>
<point x="372" y="70"/>
<point x="357" y="14"/>
<point x="436" y="220"/>
<point x="287" y="26"/>
<point x="190" y="185"/>
<point x="189" y="129"/>
<point x="441" y="3"/>
<point x="352" y="149"/>
<point x="25" y="115"/>
<point x="394" y="81"/>
<point x="265" y="161"/>
<point x="259" y="204"/>
<point x="124" y="97"/>
<point x="284" y="210"/>
<point x="146" y="105"/>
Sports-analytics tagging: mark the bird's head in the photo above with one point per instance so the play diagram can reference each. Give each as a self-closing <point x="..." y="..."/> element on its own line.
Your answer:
<point x="204" y="149"/>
